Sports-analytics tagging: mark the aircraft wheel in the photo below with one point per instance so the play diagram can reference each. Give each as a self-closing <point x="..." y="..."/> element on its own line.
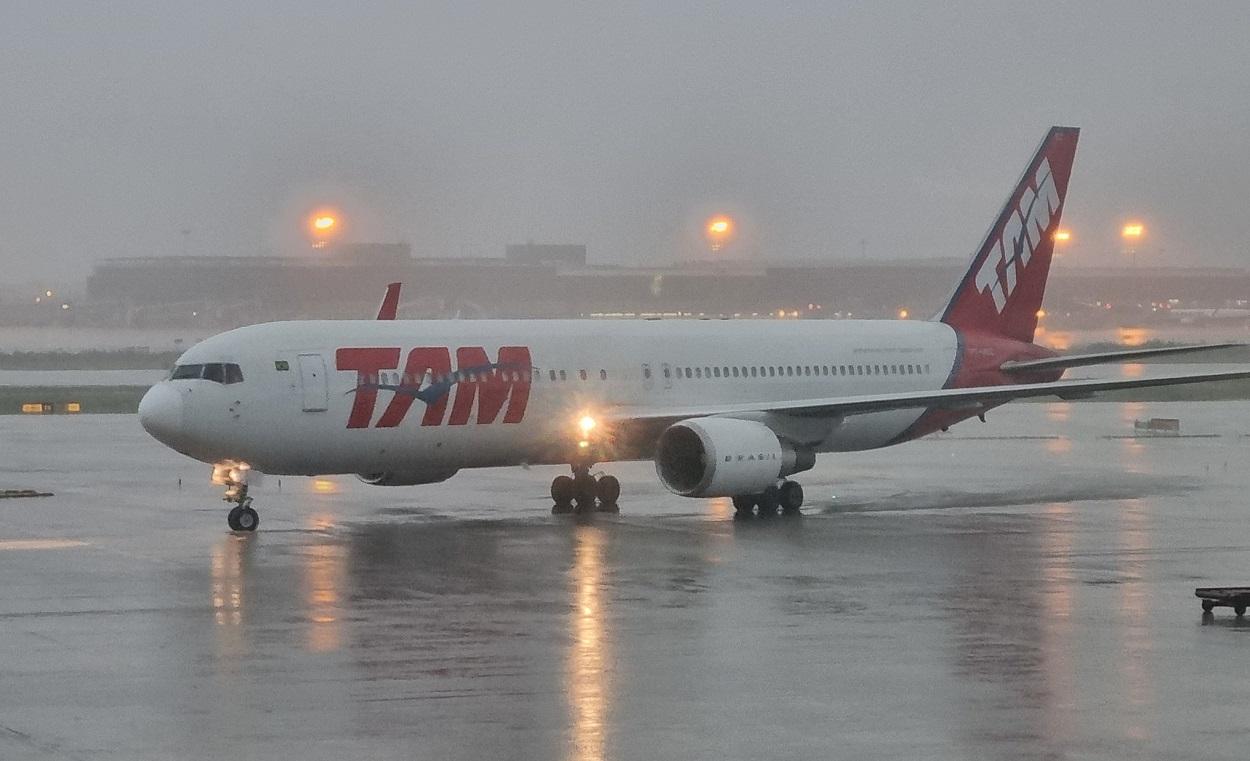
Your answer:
<point x="608" y="489"/>
<point x="562" y="491"/>
<point x="232" y="518"/>
<point x="1208" y="606"/>
<point x="562" y="508"/>
<point x="743" y="504"/>
<point x="584" y="490"/>
<point x="768" y="502"/>
<point x="791" y="497"/>
<point x="1240" y="610"/>
<point x="247" y="519"/>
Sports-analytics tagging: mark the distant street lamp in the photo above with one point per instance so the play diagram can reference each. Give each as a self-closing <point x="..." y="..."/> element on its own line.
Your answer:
<point x="323" y="226"/>
<point x="720" y="229"/>
<point x="1132" y="233"/>
<point x="1061" y="237"/>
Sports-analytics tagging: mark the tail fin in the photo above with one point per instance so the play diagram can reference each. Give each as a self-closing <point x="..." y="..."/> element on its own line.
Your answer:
<point x="389" y="307"/>
<point x="1002" y="291"/>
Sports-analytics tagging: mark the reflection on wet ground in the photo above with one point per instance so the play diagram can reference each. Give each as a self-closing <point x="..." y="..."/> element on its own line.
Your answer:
<point x="1021" y="589"/>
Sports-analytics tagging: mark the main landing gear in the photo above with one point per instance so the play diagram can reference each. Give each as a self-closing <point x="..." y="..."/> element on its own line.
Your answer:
<point x="786" y="497"/>
<point x="241" y="517"/>
<point x="583" y="493"/>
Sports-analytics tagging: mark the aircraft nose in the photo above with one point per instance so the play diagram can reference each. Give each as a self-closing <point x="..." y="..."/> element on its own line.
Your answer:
<point x="160" y="413"/>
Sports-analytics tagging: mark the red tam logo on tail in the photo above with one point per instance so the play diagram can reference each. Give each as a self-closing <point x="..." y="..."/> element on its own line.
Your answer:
<point x="1002" y="290"/>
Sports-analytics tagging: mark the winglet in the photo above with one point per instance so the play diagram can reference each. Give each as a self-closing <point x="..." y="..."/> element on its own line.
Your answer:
<point x="390" y="302"/>
<point x="1002" y="290"/>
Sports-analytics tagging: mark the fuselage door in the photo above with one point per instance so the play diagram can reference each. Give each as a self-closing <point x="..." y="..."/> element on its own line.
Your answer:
<point x="312" y="378"/>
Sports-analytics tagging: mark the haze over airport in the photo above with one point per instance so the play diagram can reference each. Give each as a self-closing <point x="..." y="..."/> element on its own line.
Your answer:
<point x="825" y="132"/>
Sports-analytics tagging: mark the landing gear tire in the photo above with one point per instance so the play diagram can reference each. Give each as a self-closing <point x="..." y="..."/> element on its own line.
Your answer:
<point x="584" y="492"/>
<point x="608" y="490"/>
<point x="768" y="502"/>
<point x="743" y="505"/>
<point x="791" y="497"/>
<point x="242" y="518"/>
<point x="562" y="491"/>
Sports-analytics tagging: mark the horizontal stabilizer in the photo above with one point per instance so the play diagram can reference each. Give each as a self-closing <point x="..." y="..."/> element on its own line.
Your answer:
<point x="1100" y="358"/>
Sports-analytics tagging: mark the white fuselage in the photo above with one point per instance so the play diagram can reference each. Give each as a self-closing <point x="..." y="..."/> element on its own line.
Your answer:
<point x="296" y="410"/>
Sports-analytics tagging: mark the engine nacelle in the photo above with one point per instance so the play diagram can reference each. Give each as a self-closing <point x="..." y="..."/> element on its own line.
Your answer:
<point x="725" y="457"/>
<point x="407" y="477"/>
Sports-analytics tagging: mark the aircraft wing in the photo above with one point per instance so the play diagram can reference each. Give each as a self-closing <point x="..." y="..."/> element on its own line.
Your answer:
<point x="1081" y="360"/>
<point x="979" y="397"/>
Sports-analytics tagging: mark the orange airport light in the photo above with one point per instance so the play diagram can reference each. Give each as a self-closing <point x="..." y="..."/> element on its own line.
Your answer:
<point x="720" y="229"/>
<point x="1062" y="236"/>
<point x="1132" y="231"/>
<point x="324" y="225"/>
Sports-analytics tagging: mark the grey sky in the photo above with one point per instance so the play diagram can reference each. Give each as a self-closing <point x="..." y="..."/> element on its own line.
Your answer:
<point x="461" y="127"/>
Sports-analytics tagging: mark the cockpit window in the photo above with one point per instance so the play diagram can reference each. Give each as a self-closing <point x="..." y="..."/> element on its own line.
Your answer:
<point x="217" y="372"/>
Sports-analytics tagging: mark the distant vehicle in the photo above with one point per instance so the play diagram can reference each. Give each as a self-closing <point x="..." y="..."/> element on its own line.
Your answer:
<point x="725" y="408"/>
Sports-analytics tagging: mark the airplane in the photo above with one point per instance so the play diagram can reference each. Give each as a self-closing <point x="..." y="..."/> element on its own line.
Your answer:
<point x="726" y="408"/>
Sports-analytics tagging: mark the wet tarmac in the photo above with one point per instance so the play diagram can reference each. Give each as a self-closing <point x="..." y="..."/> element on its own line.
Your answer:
<point x="1022" y="589"/>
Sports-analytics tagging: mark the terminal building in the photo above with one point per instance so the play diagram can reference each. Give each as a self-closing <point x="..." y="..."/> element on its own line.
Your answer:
<point x="554" y="280"/>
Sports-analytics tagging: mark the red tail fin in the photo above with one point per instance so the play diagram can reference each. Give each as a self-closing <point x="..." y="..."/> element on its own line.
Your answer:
<point x="1002" y="290"/>
<point x="390" y="303"/>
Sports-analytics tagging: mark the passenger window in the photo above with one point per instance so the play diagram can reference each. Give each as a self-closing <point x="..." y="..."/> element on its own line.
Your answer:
<point x="716" y="372"/>
<point x="807" y="369"/>
<point x="667" y="373"/>
<point x="687" y="372"/>
<point x="772" y="371"/>
<point x="790" y="370"/>
<point x="563" y="376"/>
<point x="646" y="373"/>
<point x="603" y="374"/>
<point x="582" y="374"/>
<point x="735" y="371"/>
<point x="551" y="374"/>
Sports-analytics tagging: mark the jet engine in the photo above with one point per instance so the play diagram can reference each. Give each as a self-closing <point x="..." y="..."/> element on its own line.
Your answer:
<point x="406" y="477"/>
<point x="725" y="457"/>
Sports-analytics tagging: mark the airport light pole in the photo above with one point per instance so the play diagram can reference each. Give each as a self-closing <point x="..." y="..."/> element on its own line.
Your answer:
<point x="1131" y="233"/>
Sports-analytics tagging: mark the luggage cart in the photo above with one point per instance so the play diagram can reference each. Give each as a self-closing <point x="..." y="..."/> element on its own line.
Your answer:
<point x="1236" y="598"/>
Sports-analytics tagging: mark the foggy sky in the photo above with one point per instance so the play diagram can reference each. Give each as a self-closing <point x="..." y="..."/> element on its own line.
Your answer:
<point x="461" y="127"/>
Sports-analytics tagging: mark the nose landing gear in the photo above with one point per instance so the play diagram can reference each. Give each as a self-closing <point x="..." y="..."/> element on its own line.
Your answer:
<point x="583" y="493"/>
<point x="234" y="477"/>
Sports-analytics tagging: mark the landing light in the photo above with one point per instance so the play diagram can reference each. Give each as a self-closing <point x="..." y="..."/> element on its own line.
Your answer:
<point x="587" y="424"/>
